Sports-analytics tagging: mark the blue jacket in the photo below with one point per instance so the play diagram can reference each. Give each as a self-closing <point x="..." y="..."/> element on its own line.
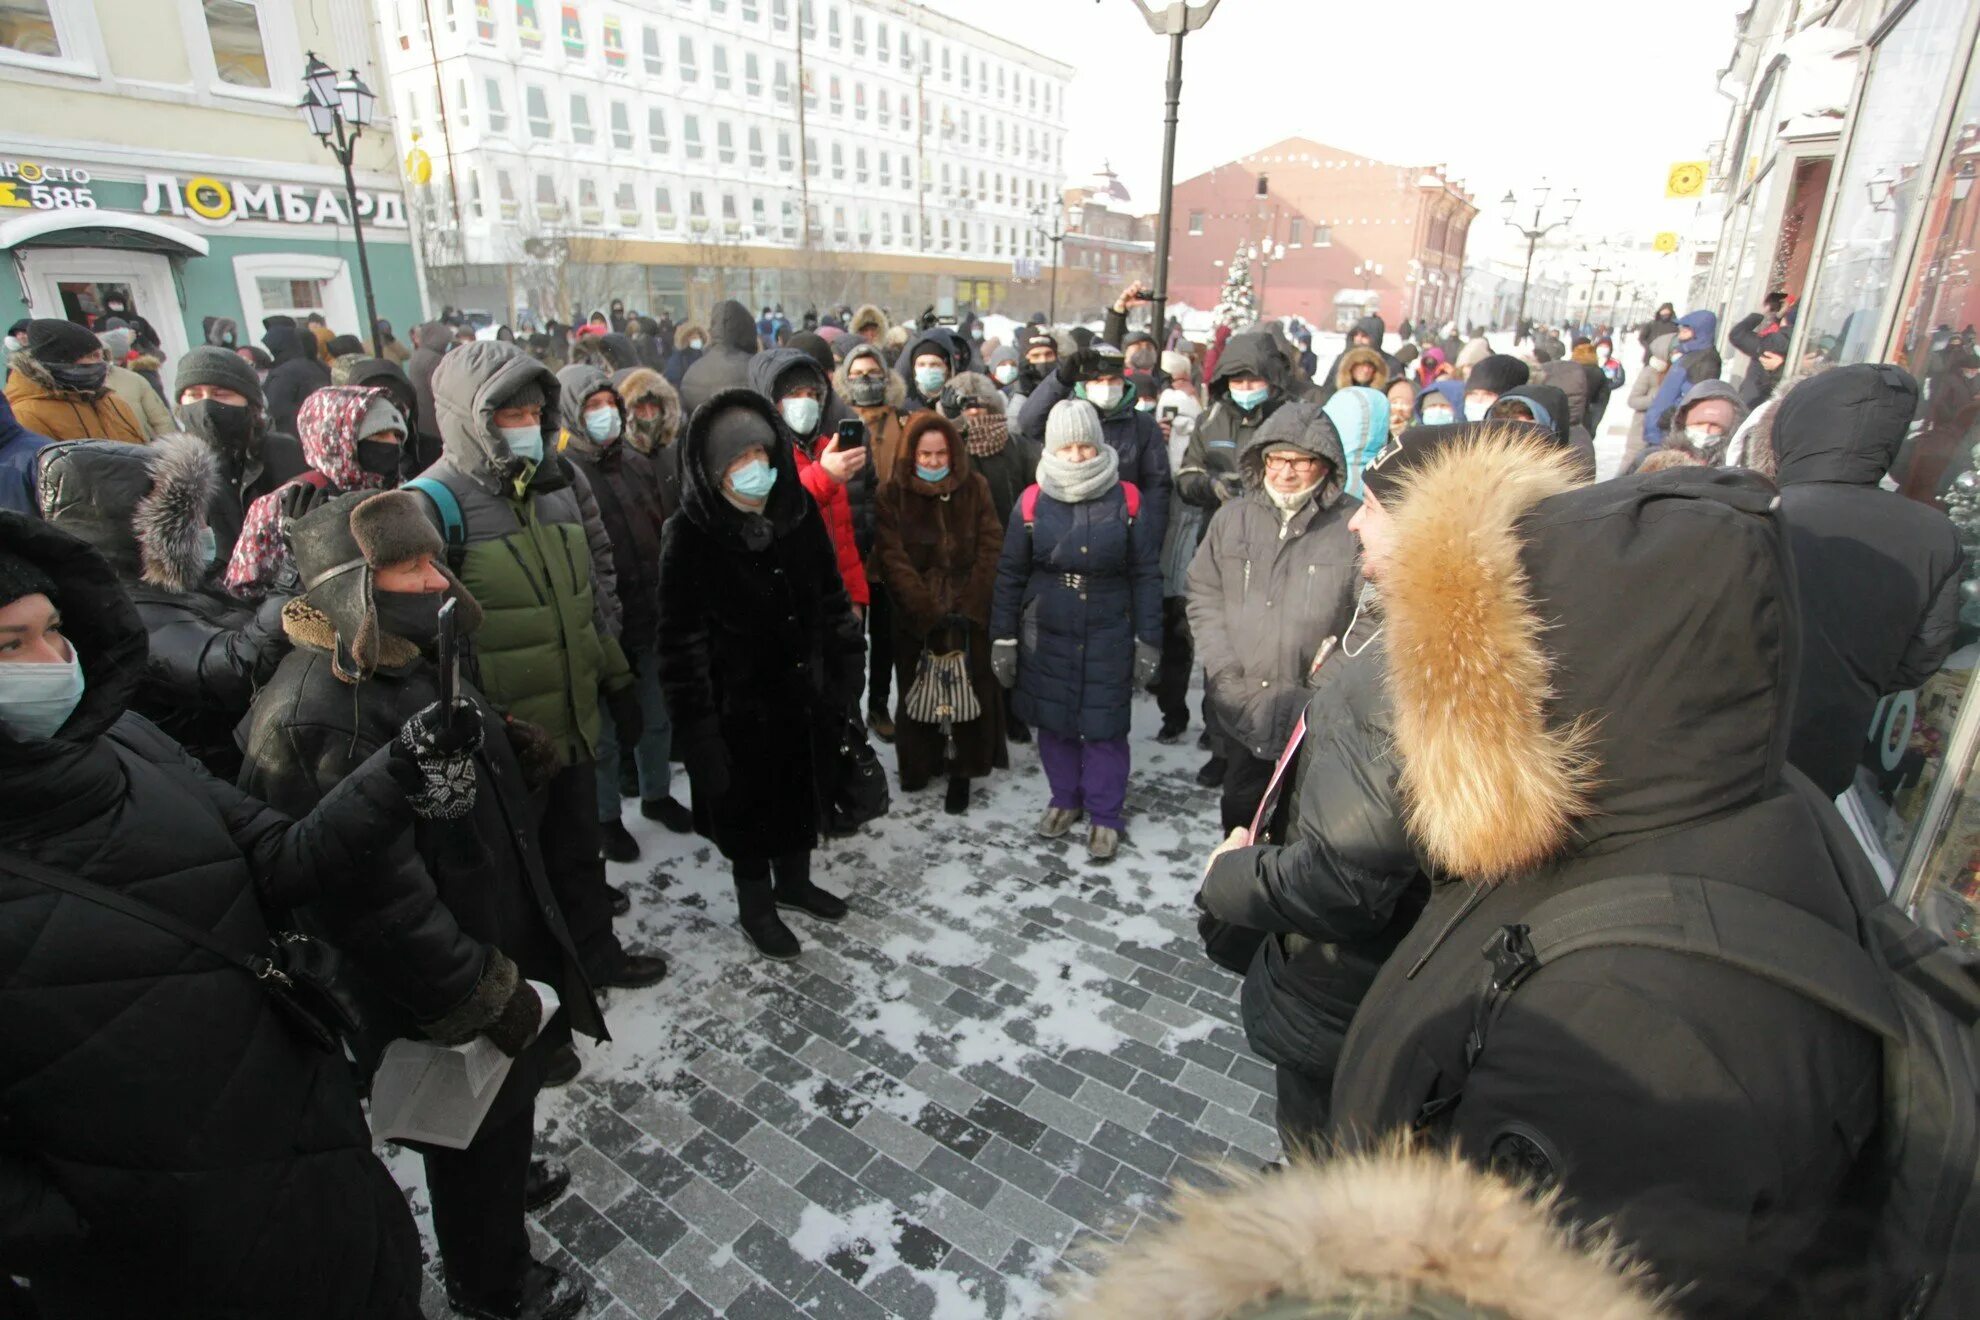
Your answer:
<point x="1076" y="634"/>
<point x="18" y="446"/>
<point x="1450" y="391"/>
<point x="1699" y="361"/>
<point x="1135" y="436"/>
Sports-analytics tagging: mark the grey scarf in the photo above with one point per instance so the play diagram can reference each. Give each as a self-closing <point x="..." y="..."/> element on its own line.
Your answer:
<point x="1075" y="483"/>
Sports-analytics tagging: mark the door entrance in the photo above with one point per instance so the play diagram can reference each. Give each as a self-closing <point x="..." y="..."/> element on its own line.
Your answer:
<point x="77" y="284"/>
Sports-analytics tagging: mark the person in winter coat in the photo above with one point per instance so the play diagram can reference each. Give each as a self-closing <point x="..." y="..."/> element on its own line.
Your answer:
<point x="1038" y="354"/>
<point x="1487" y="380"/>
<point x="1642" y="394"/>
<point x="515" y="524"/>
<point x="1274" y="578"/>
<point x="689" y="342"/>
<point x="1707" y="420"/>
<point x="1360" y="414"/>
<point x="384" y="374"/>
<point x="724" y="365"/>
<point x="869" y="323"/>
<point x="1401" y="395"/>
<point x="863" y="488"/>
<point x="1076" y="622"/>
<point x="219" y="400"/>
<point x="878" y="397"/>
<point x="1368" y="332"/>
<point x="653" y="423"/>
<point x="1697" y="359"/>
<point x="650" y="350"/>
<point x="1398" y="1232"/>
<point x="1003" y="370"/>
<point x="431" y="342"/>
<point x="1361" y="366"/>
<point x="1665" y="322"/>
<point x="389" y="344"/>
<point x="1475" y="350"/>
<point x="221" y="332"/>
<point x="144" y="510"/>
<point x="939" y="541"/>
<point x="1878" y="574"/>
<point x="486" y="915"/>
<point x="1548" y="408"/>
<point x="18" y="450"/>
<point x="595" y="426"/>
<point x="759" y="660"/>
<point x="1179" y="542"/>
<point x="928" y="363"/>
<point x="133" y="385"/>
<point x="1766" y="348"/>
<point x="1707" y="1115"/>
<point x="1587" y="356"/>
<point x="1098" y="375"/>
<point x="56" y="385"/>
<point x="176" y="1146"/>
<point x="794" y="382"/>
<point x="297" y="372"/>
<point x="1442" y="404"/>
<point x="353" y="438"/>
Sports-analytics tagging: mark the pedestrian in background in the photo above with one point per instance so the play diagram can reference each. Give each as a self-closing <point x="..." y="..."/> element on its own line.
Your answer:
<point x="299" y="370"/>
<point x="57" y="384"/>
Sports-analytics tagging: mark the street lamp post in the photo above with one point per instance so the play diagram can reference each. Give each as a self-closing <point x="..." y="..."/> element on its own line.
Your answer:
<point x="1174" y="20"/>
<point x="1533" y="233"/>
<point x="1595" y="273"/>
<point x="338" y="113"/>
<point x="1045" y="232"/>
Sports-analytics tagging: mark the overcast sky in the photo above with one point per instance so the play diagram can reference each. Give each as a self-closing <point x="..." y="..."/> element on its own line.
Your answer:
<point x="1599" y="96"/>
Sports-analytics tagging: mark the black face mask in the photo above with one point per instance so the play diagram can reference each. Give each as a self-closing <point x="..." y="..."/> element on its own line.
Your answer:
<point x="227" y="427"/>
<point x="867" y="391"/>
<point x="380" y="458"/>
<point x="78" y="377"/>
<point x="412" y="616"/>
<point x="1033" y="373"/>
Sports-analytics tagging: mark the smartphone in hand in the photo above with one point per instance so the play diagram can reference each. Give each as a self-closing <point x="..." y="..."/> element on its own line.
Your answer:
<point x="852" y="434"/>
<point x="449" y="656"/>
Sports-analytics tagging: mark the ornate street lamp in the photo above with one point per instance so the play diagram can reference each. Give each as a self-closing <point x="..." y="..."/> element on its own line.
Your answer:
<point x="1174" y="20"/>
<point x="337" y="112"/>
<point x="1534" y="232"/>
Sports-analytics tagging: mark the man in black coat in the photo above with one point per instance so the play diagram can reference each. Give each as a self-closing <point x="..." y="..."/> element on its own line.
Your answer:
<point x="1878" y="574"/>
<point x="724" y="365"/>
<point x="1709" y="1115"/>
<point x="297" y="373"/>
<point x="217" y="398"/>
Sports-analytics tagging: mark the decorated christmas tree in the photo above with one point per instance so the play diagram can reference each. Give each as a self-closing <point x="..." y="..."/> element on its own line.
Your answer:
<point x="1238" y="307"/>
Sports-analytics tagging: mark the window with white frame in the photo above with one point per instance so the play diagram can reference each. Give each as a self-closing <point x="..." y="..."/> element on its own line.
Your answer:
<point x="882" y="51"/>
<point x="838" y="97"/>
<point x="907" y="114"/>
<point x="718" y="62"/>
<point x="691" y="136"/>
<point x="780" y="84"/>
<point x="832" y="27"/>
<point x="786" y="161"/>
<point x="725" y="142"/>
<point x="548" y="207"/>
<point x="780" y="15"/>
<point x="474" y="201"/>
<point x="731" y="220"/>
<point x="581" y="132"/>
<point x="907" y="174"/>
<point x="759" y="216"/>
<point x="859" y="34"/>
<point x="505" y="194"/>
<point x="622" y="134"/>
<point x="589" y="210"/>
<point x="839" y="234"/>
<point x="886" y="170"/>
<point x="812" y="163"/>
<point x="859" y="102"/>
<point x="884" y="109"/>
<point x="463" y="108"/>
<point x="498" y="115"/>
<point x="625" y="201"/>
<point x="789" y="225"/>
<point x="859" y="166"/>
<point x="663" y="206"/>
<point x="756" y="157"/>
<point x="33" y="31"/>
<point x="240" y="47"/>
<point x="838" y="163"/>
<point x="690" y="72"/>
<point x="649" y="47"/>
<point x="886" y="229"/>
<point x="807" y="20"/>
<point x="656" y="131"/>
<point x="750" y="13"/>
<point x="752" y="75"/>
<point x="536" y="109"/>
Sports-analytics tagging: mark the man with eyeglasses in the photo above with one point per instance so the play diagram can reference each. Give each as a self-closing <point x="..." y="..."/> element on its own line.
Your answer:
<point x="1274" y="580"/>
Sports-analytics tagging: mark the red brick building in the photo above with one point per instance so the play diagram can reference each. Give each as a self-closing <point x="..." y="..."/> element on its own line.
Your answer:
<point x="1357" y="235"/>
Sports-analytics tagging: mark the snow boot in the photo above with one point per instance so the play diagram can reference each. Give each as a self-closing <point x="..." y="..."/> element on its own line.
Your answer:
<point x="793" y="889"/>
<point x="1057" y="822"/>
<point x="635" y="971"/>
<point x="956" y="800"/>
<point x="1102" y="843"/>
<point x="547" y="1294"/>
<point x="676" y="818"/>
<point x="621" y="900"/>
<point x="756" y="904"/>
<point x="1172" y="731"/>
<point x="1212" y="773"/>
<point x="616" y="844"/>
<point x="545" y="1182"/>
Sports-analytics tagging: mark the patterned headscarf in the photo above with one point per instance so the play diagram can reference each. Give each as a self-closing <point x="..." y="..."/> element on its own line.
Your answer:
<point x="326" y="425"/>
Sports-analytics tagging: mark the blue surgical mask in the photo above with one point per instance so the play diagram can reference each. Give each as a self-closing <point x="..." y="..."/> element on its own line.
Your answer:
<point x="209" y="546"/>
<point x="1250" y="399"/>
<point x="37" y="698"/>
<point x="801" y="414"/>
<point x="753" y="482"/>
<point x="1437" y="417"/>
<point x="930" y="380"/>
<point x="1475" y="410"/>
<point x="695" y="344"/>
<point x="602" y="424"/>
<point x="525" y="442"/>
<point x="930" y="474"/>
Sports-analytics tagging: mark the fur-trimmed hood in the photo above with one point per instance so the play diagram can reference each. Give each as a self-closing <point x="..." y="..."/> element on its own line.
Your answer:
<point x="896" y="387"/>
<point x="185" y="476"/>
<point x="1354" y="357"/>
<point x="645" y="385"/>
<point x="686" y="333"/>
<point x="1527" y="731"/>
<point x="1393" y="1234"/>
<point x="868" y="317"/>
<point x="139" y="506"/>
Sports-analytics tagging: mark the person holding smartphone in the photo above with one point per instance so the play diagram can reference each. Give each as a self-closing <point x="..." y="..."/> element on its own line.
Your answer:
<point x="797" y="386"/>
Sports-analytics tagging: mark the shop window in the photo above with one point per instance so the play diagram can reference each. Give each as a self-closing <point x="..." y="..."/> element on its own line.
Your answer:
<point x="622" y="134"/>
<point x="536" y="108"/>
<point x="1943" y="298"/>
<point x="581" y="132"/>
<point x="240" y="54"/>
<point x="498" y="116"/>
<point x="649" y="49"/>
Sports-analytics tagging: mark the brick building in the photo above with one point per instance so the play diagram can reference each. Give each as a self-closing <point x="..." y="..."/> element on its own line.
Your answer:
<point x="1357" y="235"/>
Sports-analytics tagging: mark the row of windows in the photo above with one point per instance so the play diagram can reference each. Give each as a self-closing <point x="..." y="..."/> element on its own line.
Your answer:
<point x="1296" y="236"/>
<point x="953" y="65"/>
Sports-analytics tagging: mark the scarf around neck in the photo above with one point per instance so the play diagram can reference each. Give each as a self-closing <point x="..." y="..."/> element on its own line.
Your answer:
<point x="1075" y="483"/>
<point x="985" y="434"/>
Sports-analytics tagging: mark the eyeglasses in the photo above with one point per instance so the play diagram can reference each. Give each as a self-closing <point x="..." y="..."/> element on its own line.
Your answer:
<point x="1286" y="463"/>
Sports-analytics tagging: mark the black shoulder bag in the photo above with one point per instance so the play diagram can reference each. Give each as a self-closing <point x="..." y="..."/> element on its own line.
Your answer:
<point x="301" y="974"/>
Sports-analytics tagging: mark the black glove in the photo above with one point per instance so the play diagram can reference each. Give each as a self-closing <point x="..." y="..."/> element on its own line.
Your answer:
<point x="708" y="770"/>
<point x="1076" y="366"/>
<point x="628" y="721"/>
<point x="300" y="498"/>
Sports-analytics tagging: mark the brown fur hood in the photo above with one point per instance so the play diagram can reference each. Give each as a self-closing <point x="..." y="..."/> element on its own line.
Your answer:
<point x="644" y="384"/>
<point x="1395" y="1233"/>
<point x="688" y="332"/>
<point x="1353" y="358"/>
<point x="896" y="387"/>
<point x="868" y="317"/>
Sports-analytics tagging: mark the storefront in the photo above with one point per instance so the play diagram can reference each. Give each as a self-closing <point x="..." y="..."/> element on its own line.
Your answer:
<point x="1896" y="277"/>
<point x="177" y="248"/>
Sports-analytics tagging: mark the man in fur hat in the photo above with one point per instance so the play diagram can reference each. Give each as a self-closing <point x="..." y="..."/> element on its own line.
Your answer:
<point x="365" y="632"/>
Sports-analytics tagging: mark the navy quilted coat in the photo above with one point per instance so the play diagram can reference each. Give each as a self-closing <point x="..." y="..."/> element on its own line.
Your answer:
<point x="1076" y="590"/>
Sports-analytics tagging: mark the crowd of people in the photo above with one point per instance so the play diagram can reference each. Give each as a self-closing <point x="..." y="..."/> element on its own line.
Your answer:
<point x="378" y="648"/>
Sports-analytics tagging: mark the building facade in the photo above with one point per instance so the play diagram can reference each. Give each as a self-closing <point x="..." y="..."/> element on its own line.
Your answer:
<point x="674" y="152"/>
<point x="155" y="151"/>
<point x="1335" y="235"/>
<point x="1105" y="246"/>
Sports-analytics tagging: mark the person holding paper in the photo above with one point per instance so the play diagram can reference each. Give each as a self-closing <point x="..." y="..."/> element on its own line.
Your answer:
<point x="478" y="919"/>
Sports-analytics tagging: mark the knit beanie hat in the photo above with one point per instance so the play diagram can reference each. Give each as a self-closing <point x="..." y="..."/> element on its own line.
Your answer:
<point x="817" y="349"/>
<point x="1176" y="364"/>
<point x="116" y="345"/>
<point x="344" y="344"/>
<point x="383" y="415"/>
<point x="211" y="365"/>
<point x="729" y="434"/>
<point x="1498" y="373"/>
<point x="1072" y="422"/>
<point x="20" y="578"/>
<point x="60" y="342"/>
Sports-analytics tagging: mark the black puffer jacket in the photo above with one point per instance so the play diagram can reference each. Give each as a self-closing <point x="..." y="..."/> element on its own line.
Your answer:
<point x="627" y="489"/>
<point x="169" y="1146"/>
<point x="1710" y="1116"/>
<point x="142" y="510"/>
<point x="295" y="376"/>
<point x="1208" y="477"/>
<point x="1878" y="574"/>
<point x="724" y="365"/>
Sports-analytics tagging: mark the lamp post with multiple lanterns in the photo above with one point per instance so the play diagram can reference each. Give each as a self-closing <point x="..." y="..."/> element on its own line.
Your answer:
<point x="338" y="112"/>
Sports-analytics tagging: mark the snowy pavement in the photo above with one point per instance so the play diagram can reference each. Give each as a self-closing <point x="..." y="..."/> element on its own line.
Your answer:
<point x="1003" y="1055"/>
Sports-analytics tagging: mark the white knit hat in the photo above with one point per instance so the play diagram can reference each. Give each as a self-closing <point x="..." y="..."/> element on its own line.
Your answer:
<point x="1072" y="422"/>
<point x="1176" y="364"/>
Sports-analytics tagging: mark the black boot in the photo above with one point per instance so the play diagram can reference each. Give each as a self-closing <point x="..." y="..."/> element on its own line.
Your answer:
<point x="677" y="818"/>
<point x="563" y="1067"/>
<point x="545" y="1182"/>
<point x="1172" y="729"/>
<point x="616" y="843"/>
<point x="635" y="971"/>
<point x="1212" y="773"/>
<point x="756" y="903"/>
<point x="956" y="800"/>
<point x="547" y="1294"/>
<point x="628" y="777"/>
<point x="621" y="900"/>
<point x="1016" y="730"/>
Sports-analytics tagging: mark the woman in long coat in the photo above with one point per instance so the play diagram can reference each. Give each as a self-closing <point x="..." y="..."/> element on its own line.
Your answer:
<point x="939" y="540"/>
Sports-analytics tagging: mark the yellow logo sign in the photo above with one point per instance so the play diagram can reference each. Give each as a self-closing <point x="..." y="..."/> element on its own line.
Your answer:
<point x="1666" y="242"/>
<point x="419" y="166"/>
<point x="7" y="195"/>
<point x="1686" y="179"/>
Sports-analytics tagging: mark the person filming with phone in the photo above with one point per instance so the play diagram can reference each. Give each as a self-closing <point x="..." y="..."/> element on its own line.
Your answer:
<point x="796" y="384"/>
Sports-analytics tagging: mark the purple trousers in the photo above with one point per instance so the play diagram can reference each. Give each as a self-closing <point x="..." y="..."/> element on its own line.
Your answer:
<point x="1087" y="776"/>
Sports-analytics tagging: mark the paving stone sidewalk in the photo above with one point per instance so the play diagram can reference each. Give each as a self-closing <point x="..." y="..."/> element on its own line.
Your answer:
<point x="1002" y="1059"/>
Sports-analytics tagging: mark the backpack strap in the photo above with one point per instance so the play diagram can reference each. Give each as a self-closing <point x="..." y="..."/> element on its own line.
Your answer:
<point x="1028" y="506"/>
<point x="449" y="508"/>
<point x="1132" y="493"/>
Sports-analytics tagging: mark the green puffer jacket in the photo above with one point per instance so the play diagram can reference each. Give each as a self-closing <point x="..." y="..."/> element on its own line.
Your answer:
<point x="542" y="650"/>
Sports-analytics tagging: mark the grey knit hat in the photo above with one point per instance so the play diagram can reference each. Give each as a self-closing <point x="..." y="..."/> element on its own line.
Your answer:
<point x="1072" y="422"/>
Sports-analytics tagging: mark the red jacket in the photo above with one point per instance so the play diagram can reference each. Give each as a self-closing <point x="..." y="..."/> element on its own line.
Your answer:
<point x="836" y="509"/>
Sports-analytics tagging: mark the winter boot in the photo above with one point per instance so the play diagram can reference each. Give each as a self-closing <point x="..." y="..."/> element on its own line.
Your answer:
<point x="956" y="800"/>
<point x="880" y="724"/>
<point x="756" y="903"/>
<point x="1212" y="773"/>
<point x="621" y="900"/>
<point x="1102" y="843"/>
<point x="636" y="971"/>
<point x="1172" y="731"/>
<point x="545" y="1182"/>
<point x="794" y="890"/>
<point x="1016" y="730"/>
<point x="1057" y="822"/>
<point x="1203" y="740"/>
<point x="616" y="844"/>
<point x="675" y="817"/>
<point x="563" y="1066"/>
<point x="547" y="1294"/>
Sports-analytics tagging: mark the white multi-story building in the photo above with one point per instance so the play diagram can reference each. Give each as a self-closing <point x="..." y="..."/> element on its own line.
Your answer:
<point x="672" y="152"/>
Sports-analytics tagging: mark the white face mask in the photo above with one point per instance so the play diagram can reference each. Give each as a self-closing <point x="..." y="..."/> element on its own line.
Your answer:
<point x="1103" y="397"/>
<point x="1004" y="373"/>
<point x="1475" y="409"/>
<point x="801" y="415"/>
<point x="695" y="344"/>
<point x="36" y="699"/>
<point x="1436" y="416"/>
<point x="1700" y="438"/>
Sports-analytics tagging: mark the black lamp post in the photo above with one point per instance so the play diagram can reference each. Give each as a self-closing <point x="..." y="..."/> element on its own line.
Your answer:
<point x="338" y="112"/>
<point x="1045" y="232"/>
<point x="1175" y="20"/>
<point x="1533" y="233"/>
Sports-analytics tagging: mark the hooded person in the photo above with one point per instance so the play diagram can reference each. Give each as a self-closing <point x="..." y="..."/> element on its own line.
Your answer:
<point x="1707" y="419"/>
<point x="1076" y="622"/>
<point x="57" y="385"/>
<point x="1274" y="578"/>
<point x="18" y="449"/>
<point x="1360" y="414"/>
<point x="130" y="377"/>
<point x="1098" y="374"/>
<point x="724" y="365"/>
<point x="929" y="361"/>
<point x="431" y="342"/>
<point x="1247" y="387"/>
<point x="1766" y="348"/>
<point x="1003" y="369"/>
<point x="650" y="350"/>
<point x="1432" y="367"/>
<point x="1643" y="393"/>
<point x="217" y="398"/>
<point x="863" y="488"/>
<point x="389" y="344"/>
<point x="387" y="375"/>
<point x="1547" y="407"/>
<point x="760" y="660"/>
<point x="1573" y="380"/>
<point x="792" y="380"/>
<point x="596" y="422"/>
<point x="352" y="437"/>
<point x="1368" y="332"/>
<point x="1008" y="463"/>
<point x="1441" y="404"/>
<point x="1663" y="323"/>
<point x="1696" y="360"/>
<point x="1585" y="354"/>
<point x="869" y="323"/>
<point x="653" y="423"/>
<point x="690" y="341"/>
<point x="939" y="540"/>
<point x="298" y="371"/>
<point x="178" y="1146"/>
<point x="1879" y="575"/>
<point x="1361" y="366"/>
<point x="513" y="516"/>
<point x="610" y="352"/>
<point x="144" y="510"/>
<point x="364" y="635"/>
<point x="222" y="332"/>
